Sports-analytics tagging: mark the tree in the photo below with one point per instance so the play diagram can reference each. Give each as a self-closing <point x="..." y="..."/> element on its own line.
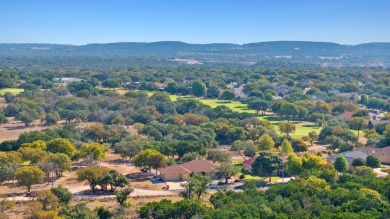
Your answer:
<point x="197" y="184"/>
<point x="129" y="148"/>
<point x="52" y="118"/>
<point x="34" y="155"/>
<point x="199" y="88"/>
<point x="212" y="92"/>
<point x="95" y="150"/>
<point x="312" y="136"/>
<point x="226" y="170"/>
<point x="357" y="123"/>
<point x="121" y="195"/>
<point x="287" y="128"/>
<point x="373" y="161"/>
<point x="48" y="200"/>
<point x="356" y="162"/>
<point x="5" y="204"/>
<point x="303" y="112"/>
<point x="149" y="158"/>
<point x="111" y="83"/>
<point x="259" y="105"/>
<point x="92" y="175"/>
<point x="266" y="142"/>
<point x="227" y="95"/>
<point x="63" y="194"/>
<point x="266" y="163"/>
<point x="245" y="148"/>
<point x="312" y="162"/>
<point x="26" y="117"/>
<point x="218" y="156"/>
<point x="3" y="119"/>
<point x="341" y="163"/>
<point x="286" y="147"/>
<point x="289" y="110"/>
<point x="61" y="162"/>
<point x="293" y="164"/>
<point x="61" y="145"/>
<point x="364" y="171"/>
<point x="103" y="212"/>
<point x="29" y="175"/>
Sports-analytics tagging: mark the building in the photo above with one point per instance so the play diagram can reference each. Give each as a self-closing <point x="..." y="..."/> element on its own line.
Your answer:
<point x="346" y="115"/>
<point x="65" y="80"/>
<point x="382" y="153"/>
<point x="248" y="163"/>
<point x="350" y="155"/>
<point x="186" y="170"/>
<point x="372" y="123"/>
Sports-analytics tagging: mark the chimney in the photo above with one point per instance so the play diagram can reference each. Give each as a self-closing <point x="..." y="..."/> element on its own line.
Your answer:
<point x="196" y="158"/>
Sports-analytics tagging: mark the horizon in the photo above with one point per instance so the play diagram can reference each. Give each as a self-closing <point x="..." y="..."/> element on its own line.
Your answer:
<point x="175" y="41"/>
<point x="72" y="22"/>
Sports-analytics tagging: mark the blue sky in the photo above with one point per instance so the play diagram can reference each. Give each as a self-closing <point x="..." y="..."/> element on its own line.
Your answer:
<point x="197" y="21"/>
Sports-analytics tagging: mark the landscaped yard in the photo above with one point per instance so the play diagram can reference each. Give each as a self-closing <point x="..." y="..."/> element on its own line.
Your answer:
<point x="302" y="128"/>
<point x="252" y="176"/>
<point x="13" y="91"/>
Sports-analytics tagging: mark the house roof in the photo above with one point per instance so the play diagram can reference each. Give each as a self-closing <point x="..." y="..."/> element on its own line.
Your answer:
<point x="376" y="151"/>
<point x="350" y="155"/>
<point x="346" y="115"/>
<point x="377" y="122"/>
<point x="195" y="166"/>
<point x="248" y="163"/>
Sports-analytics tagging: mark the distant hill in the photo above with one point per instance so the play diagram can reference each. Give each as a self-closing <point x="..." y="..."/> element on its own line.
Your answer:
<point x="322" y="53"/>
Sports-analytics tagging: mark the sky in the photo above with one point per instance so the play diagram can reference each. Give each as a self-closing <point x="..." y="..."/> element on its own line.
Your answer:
<point x="82" y="22"/>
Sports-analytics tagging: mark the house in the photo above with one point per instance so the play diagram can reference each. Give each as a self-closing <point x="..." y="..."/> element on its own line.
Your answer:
<point x="346" y="115"/>
<point x="160" y="86"/>
<point x="283" y="89"/>
<point x="186" y="170"/>
<point x="372" y="123"/>
<point x="382" y="153"/>
<point x="350" y="155"/>
<point x="65" y="80"/>
<point x="248" y="163"/>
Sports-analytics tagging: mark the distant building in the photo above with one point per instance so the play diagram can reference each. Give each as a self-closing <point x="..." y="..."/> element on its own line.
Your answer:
<point x="186" y="170"/>
<point x="317" y="97"/>
<point x="372" y="123"/>
<point x="382" y="153"/>
<point x="346" y="115"/>
<point x="65" y="80"/>
<point x="350" y="155"/>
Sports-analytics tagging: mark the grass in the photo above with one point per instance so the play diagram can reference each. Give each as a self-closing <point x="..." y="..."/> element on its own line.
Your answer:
<point x="13" y="91"/>
<point x="302" y="128"/>
<point x="252" y="176"/>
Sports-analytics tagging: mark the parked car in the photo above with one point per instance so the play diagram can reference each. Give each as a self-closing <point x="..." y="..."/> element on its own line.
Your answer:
<point x="30" y="194"/>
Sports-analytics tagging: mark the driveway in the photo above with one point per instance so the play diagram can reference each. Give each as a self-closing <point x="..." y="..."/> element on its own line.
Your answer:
<point x="175" y="185"/>
<point x="379" y="173"/>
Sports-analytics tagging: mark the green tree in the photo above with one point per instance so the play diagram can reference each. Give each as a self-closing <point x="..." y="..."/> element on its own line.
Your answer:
<point x="26" y="117"/>
<point x="61" y="145"/>
<point x="34" y="155"/>
<point x="61" y="162"/>
<point x="111" y="83"/>
<point x="289" y="110"/>
<point x="357" y="123"/>
<point x="218" y="156"/>
<point x="121" y="195"/>
<point x="293" y="164"/>
<point x="266" y="142"/>
<point x="227" y="95"/>
<point x="199" y="88"/>
<point x="94" y="150"/>
<point x="259" y="105"/>
<point x="48" y="200"/>
<point x="149" y="158"/>
<point x="373" y="161"/>
<point x="103" y="212"/>
<point x="286" y="147"/>
<point x="364" y="171"/>
<point x="52" y="118"/>
<point x="226" y="170"/>
<point x="129" y="148"/>
<point x="197" y="184"/>
<point x="341" y="163"/>
<point x="92" y="175"/>
<point x="356" y="162"/>
<point x="3" y="119"/>
<point x="63" y="194"/>
<point x="29" y="175"/>
<point x="266" y="163"/>
<point x="312" y="136"/>
<point x="287" y="128"/>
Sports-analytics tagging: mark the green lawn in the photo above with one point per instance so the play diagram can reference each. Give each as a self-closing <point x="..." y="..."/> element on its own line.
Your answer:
<point x="252" y="176"/>
<point x="302" y="128"/>
<point x="13" y="91"/>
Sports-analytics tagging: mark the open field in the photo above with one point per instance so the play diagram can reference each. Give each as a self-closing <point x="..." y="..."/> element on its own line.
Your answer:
<point x="13" y="91"/>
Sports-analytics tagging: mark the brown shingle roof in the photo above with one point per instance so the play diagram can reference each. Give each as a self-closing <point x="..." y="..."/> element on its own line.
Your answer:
<point x="346" y="115"/>
<point x="195" y="166"/>
<point x="174" y="169"/>
<point x="376" y="151"/>
<point x="377" y="122"/>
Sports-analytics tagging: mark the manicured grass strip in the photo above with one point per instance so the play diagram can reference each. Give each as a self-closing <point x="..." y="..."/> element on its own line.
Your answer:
<point x="13" y="91"/>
